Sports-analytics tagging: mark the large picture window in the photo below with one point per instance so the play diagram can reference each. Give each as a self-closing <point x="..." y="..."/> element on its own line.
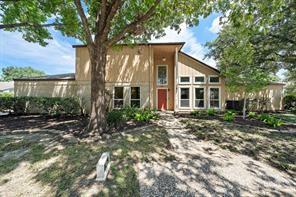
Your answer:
<point x="185" y="97"/>
<point x="118" y="97"/>
<point x="199" y="101"/>
<point x="162" y="78"/>
<point x="135" y="97"/>
<point x="214" y="97"/>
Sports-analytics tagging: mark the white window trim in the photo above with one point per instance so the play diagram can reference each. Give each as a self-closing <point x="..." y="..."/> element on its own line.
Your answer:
<point x="131" y="95"/>
<point x="213" y="82"/>
<point x="204" y="107"/>
<point x="209" y="95"/>
<point x="166" y="66"/>
<point x="167" y="97"/>
<point x="190" y="97"/>
<point x="205" y="79"/>
<point x="118" y="99"/>
<point x="184" y="82"/>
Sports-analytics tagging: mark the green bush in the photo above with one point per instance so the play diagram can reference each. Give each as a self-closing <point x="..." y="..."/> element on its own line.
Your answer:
<point x="6" y="94"/>
<point x="270" y="120"/>
<point x="145" y="115"/>
<point x="40" y="105"/>
<point x="252" y="114"/>
<point x="211" y="112"/>
<point x="290" y="102"/>
<point x="115" y="118"/>
<point x="229" y="116"/>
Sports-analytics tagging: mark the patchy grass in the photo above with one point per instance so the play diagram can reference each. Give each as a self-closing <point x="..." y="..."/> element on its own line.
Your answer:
<point x="276" y="148"/>
<point x="73" y="172"/>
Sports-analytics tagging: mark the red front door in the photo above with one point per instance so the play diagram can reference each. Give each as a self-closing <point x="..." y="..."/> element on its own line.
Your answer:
<point x="162" y="99"/>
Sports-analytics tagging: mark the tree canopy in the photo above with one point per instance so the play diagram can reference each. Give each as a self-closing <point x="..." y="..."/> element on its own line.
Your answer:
<point x="11" y="72"/>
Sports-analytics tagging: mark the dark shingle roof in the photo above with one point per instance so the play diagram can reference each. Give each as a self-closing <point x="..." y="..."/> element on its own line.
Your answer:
<point x="67" y="76"/>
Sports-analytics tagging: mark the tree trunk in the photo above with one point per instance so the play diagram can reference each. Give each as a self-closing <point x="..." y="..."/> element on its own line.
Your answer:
<point x="97" y="122"/>
<point x="244" y="107"/>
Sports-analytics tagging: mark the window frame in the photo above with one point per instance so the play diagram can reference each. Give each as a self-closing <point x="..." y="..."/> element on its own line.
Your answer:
<point x="166" y="66"/>
<point x="114" y="99"/>
<point x="204" y="82"/>
<point x="194" y="97"/>
<point x="190" y="97"/>
<point x="209" y="97"/>
<point x="135" y="99"/>
<point x="209" y="79"/>
<point x="180" y="76"/>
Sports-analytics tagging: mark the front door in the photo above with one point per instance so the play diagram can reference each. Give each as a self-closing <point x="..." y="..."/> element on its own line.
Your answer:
<point x="162" y="99"/>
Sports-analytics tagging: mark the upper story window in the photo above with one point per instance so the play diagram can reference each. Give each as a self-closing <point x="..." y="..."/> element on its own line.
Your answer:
<point x="184" y="79"/>
<point x="135" y="97"/>
<point x="199" y="79"/>
<point x="118" y="97"/>
<point x="162" y="75"/>
<point x="214" y="79"/>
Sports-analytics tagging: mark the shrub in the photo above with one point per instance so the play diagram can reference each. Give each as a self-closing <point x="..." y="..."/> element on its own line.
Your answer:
<point x="115" y="118"/>
<point x="195" y="113"/>
<point x="270" y="120"/>
<point x="252" y="114"/>
<point x="211" y="112"/>
<point x="145" y="115"/>
<point x="290" y="102"/>
<point x="6" y="94"/>
<point x="40" y="105"/>
<point x="229" y="116"/>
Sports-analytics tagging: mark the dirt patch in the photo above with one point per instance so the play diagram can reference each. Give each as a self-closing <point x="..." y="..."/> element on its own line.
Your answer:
<point x="74" y="125"/>
<point x="287" y="127"/>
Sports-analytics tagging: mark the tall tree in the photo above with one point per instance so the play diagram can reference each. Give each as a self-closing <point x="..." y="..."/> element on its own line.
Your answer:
<point x="100" y="24"/>
<point x="11" y="72"/>
<point x="235" y="58"/>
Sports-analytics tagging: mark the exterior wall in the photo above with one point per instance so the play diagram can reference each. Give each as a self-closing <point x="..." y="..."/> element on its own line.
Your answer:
<point x="189" y="67"/>
<point x="160" y="54"/>
<point x="274" y="92"/>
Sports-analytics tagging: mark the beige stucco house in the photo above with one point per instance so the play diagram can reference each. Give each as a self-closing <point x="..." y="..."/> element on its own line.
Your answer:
<point x="153" y="75"/>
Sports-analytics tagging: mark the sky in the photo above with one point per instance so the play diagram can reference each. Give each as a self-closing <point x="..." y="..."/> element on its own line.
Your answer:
<point x="59" y="57"/>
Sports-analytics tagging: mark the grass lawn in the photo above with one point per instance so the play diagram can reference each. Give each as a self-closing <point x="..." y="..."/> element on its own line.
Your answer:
<point x="275" y="147"/>
<point x="67" y="168"/>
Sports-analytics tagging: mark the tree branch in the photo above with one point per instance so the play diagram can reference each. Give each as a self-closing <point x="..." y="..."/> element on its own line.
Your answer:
<point x="84" y="22"/>
<point x="27" y="24"/>
<point x="134" y="26"/>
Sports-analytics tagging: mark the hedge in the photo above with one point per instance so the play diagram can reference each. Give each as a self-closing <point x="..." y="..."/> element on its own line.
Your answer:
<point x="290" y="102"/>
<point x="40" y="105"/>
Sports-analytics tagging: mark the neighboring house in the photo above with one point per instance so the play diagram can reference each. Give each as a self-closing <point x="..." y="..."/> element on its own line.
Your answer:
<point x="6" y="86"/>
<point x="155" y="75"/>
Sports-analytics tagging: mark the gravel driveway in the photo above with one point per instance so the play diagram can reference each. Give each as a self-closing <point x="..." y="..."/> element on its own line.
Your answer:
<point x="203" y="169"/>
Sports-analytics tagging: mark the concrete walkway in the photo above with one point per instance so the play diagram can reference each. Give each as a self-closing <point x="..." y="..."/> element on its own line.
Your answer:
<point x="203" y="169"/>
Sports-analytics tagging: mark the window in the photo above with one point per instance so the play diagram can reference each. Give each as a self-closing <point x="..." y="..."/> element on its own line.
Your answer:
<point x="199" y="101"/>
<point x="135" y="97"/>
<point x="185" y="79"/>
<point x="118" y="97"/>
<point x="214" y="97"/>
<point x="184" y="97"/>
<point x="199" y="79"/>
<point x="214" y="79"/>
<point x="162" y="75"/>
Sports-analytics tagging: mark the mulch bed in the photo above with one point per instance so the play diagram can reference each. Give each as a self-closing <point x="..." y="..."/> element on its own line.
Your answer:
<point x="239" y="120"/>
<point x="69" y="124"/>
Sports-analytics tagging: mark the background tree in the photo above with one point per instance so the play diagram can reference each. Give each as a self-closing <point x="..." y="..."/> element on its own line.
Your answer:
<point x="11" y="72"/>
<point x="290" y="79"/>
<point x="100" y="24"/>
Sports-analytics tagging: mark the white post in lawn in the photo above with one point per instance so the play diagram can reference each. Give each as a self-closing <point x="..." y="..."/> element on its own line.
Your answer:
<point x="103" y="166"/>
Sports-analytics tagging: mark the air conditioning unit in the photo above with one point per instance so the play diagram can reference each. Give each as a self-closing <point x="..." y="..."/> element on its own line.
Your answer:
<point x="103" y="166"/>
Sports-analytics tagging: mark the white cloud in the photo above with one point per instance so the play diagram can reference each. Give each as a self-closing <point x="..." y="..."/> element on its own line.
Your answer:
<point x="192" y="46"/>
<point x="57" y="57"/>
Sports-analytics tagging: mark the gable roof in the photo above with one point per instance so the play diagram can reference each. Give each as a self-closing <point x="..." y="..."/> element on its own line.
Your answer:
<point x="198" y="61"/>
<point x="67" y="76"/>
<point x="148" y="43"/>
